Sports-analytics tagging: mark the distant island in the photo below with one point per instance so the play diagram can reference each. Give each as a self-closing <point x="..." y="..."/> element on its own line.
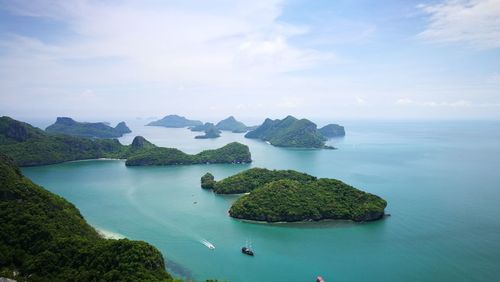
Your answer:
<point x="231" y="124"/>
<point x="231" y="153"/>
<point x="332" y="130"/>
<point x="288" y="196"/>
<point x="31" y="146"/>
<point x="210" y="131"/>
<point x="66" y="125"/>
<point x="45" y="238"/>
<point x="289" y="132"/>
<point x="175" y="121"/>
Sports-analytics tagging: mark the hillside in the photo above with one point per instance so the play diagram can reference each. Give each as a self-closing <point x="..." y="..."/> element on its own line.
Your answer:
<point x="45" y="238"/>
<point x="292" y="200"/>
<point x="231" y="124"/>
<point x="253" y="178"/>
<point x="210" y="131"/>
<point x="30" y="146"/>
<point x="289" y="132"/>
<point x="288" y="195"/>
<point x="175" y="121"/>
<point x="68" y="126"/>
<point x="332" y="130"/>
<point x="231" y="153"/>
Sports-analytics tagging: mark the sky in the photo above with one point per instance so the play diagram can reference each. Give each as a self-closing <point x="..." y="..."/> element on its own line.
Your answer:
<point x="338" y="60"/>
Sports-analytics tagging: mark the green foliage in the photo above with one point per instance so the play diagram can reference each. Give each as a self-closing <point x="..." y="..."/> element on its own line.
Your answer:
<point x="68" y="126"/>
<point x="293" y="200"/>
<point x="30" y="146"/>
<point x="332" y="130"/>
<point x="231" y="153"/>
<point x="289" y="132"/>
<point x="231" y="124"/>
<point x="175" y="121"/>
<point x="45" y="238"/>
<point x="207" y="181"/>
<point x="253" y="178"/>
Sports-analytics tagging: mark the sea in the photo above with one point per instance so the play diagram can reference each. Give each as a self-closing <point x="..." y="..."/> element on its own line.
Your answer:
<point x="441" y="180"/>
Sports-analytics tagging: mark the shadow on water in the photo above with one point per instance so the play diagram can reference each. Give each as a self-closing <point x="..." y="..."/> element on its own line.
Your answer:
<point x="322" y="224"/>
<point x="178" y="270"/>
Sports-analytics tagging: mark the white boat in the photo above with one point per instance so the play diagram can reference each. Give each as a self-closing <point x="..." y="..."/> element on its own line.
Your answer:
<point x="208" y="244"/>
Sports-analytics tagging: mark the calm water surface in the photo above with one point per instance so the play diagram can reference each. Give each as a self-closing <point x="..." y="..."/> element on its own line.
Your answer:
<point x="441" y="180"/>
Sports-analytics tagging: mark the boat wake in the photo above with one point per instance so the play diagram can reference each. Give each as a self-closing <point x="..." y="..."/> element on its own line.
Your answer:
<point x="207" y="244"/>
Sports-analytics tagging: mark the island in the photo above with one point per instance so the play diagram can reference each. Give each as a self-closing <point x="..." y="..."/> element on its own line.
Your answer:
<point x="332" y="130"/>
<point x="207" y="181"/>
<point x="234" y="152"/>
<point x="175" y="121"/>
<point x="289" y="132"/>
<point x="289" y="196"/>
<point x="250" y="179"/>
<point x="31" y="146"/>
<point x="43" y="237"/>
<point x="210" y="131"/>
<point x="68" y="126"/>
<point x="231" y="124"/>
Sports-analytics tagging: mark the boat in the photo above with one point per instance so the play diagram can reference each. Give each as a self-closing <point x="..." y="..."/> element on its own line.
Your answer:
<point x="319" y="279"/>
<point x="247" y="251"/>
<point x="208" y="244"/>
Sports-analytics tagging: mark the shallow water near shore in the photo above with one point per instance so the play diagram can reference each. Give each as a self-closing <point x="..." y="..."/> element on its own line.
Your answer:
<point x="440" y="179"/>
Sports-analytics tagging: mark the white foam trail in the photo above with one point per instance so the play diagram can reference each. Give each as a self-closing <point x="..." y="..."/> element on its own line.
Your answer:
<point x="208" y="244"/>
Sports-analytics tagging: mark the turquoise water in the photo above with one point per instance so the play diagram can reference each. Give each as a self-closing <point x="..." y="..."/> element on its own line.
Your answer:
<point x="441" y="180"/>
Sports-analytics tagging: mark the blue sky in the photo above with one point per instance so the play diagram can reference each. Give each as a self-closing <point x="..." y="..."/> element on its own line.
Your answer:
<point x="318" y="59"/>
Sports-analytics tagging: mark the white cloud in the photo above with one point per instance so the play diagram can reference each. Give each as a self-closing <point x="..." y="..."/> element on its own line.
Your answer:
<point x="360" y="101"/>
<point x="178" y="51"/>
<point x="458" y="103"/>
<point x="474" y="22"/>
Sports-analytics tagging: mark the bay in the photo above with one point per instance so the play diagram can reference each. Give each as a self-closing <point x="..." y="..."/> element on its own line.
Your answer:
<point x="441" y="181"/>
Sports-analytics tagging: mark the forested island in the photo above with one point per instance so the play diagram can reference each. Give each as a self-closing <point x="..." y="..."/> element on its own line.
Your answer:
<point x="332" y="130"/>
<point x="231" y="124"/>
<point x="231" y="153"/>
<point x="289" y="132"/>
<point x="43" y="237"/>
<point x="210" y="131"/>
<point x="31" y="146"/>
<point x="68" y="126"/>
<point x="175" y="121"/>
<point x="288" y="196"/>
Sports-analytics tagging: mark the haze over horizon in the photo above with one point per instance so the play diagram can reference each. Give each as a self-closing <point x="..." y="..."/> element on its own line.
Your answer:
<point x="389" y="59"/>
